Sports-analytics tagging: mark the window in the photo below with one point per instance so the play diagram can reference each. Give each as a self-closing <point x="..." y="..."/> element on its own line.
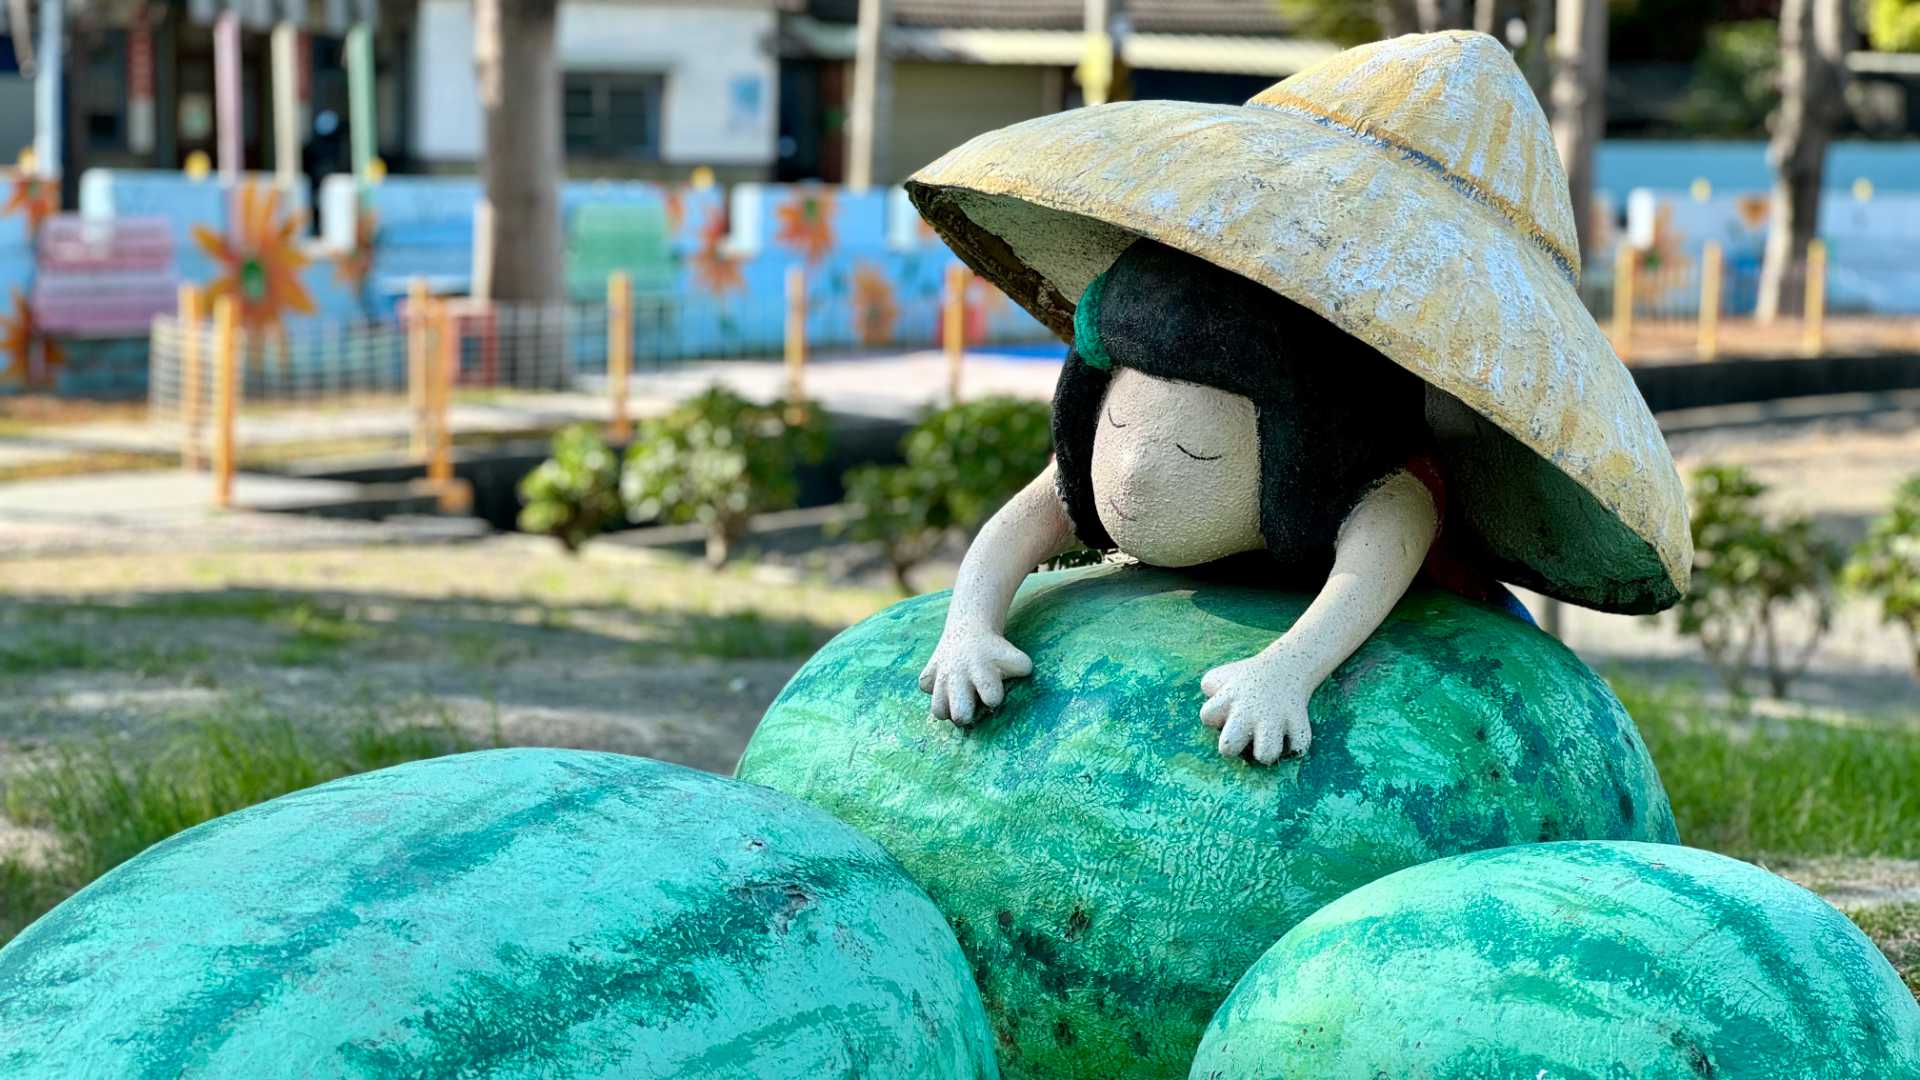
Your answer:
<point x="612" y="116"/>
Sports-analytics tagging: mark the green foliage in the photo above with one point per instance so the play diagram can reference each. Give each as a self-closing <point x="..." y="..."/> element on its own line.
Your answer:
<point x="104" y="803"/>
<point x="1752" y="576"/>
<point x="1780" y="788"/>
<point x="962" y="463"/>
<point x="1894" y="25"/>
<point x="576" y="492"/>
<point x="1343" y="22"/>
<point x="1886" y="566"/>
<point x="717" y="459"/>
<point x="1735" y="83"/>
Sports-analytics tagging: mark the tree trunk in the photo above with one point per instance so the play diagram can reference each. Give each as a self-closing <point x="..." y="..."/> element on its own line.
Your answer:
<point x="869" y="124"/>
<point x="1440" y="14"/>
<point x="517" y="250"/>
<point x="1396" y="17"/>
<point x="1486" y="16"/>
<point x="1813" y="84"/>
<point x="1580" y="104"/>
<point x="1534" y="57"/>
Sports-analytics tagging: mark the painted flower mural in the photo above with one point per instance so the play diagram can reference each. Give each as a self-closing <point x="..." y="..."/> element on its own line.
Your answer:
<point x="354" y="266"/>
<point x="35" y="197"/>
<point x="260" y="261"/>
<point x="714" y="270"/>
<point x="806" y="222"/>
<point x="875" y="311"/>
<point x="31" y="356"/>
<point x="1662" y="272"/>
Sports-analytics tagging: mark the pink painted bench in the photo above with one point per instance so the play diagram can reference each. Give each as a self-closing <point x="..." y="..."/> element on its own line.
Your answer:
<point x="104" y="278"/>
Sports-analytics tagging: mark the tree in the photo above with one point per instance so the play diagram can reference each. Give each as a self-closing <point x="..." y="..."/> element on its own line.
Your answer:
<point x="1813" y="84"/>
<point x="1350" y="22"/>
<point x="1894" y="25"/>
<point x="517" y="251"/>
<point x="1580" y="104"/>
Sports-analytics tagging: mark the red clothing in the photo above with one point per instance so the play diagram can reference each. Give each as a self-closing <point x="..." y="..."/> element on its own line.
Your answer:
<point x="1446" y="566"/>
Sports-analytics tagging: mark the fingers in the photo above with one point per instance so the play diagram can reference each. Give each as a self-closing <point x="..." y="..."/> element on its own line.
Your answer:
<point x="939" y="692"/>
<point x="1214" y="712"/>
<point x="929" y="674"/>
<point x="987" y="683"/>
<point x="1236" y="733"/>
<point x="1216" y="680"/>
<point x="1010" y="662"/>
<point x="1275" y="740"/>
<point x="960" y="701"/>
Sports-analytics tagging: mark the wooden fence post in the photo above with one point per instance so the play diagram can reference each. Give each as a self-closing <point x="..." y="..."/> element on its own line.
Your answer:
<point x="1626" y="262"/>
<point x="1813" y="339"/>
<point x="796" y="335"/>
<point x="192" y="380"/>
<point x="619" y="350"/>
<point x="226" y="392"/>
<point x="418" y="330"/>
<point x="1711" y="261"/>
<point x="444" y="359"/>
<point x="953" y="332"/>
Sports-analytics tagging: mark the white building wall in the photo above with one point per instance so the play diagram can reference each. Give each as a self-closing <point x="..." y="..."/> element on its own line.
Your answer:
<point x="721" y="80"/>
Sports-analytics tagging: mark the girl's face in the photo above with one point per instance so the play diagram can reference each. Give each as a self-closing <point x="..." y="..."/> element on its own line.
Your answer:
<point x="1176" y="470"/>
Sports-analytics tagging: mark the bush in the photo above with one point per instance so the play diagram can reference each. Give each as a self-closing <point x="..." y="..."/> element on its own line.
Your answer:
<point x="962" y="463"/>
<point x="718" y="459"/>
<point x="576" y="492"/>
<point x="1751" y="575"/>
<point x="1886" y="566"/>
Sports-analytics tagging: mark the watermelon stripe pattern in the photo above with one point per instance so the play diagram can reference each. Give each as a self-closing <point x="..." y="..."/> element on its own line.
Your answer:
<point x="511" y="913"/>
<point x="1571" y="961"/>
<point x="1107" y="872"/>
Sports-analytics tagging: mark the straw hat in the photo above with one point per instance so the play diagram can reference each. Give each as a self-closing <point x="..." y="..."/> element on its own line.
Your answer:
<point x="1409" y="192"/>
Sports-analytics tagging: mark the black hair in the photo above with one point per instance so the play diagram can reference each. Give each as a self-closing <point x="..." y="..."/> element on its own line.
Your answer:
<point x="1335" y="417"/>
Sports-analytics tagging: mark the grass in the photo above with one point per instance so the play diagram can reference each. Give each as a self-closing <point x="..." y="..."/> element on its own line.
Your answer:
<point x="1761" y="789"/>
<point x="1896" y="929"/>
<point x="749" y="635"/>
<point x="36" y="655"/>
<point x="104" y="802"/>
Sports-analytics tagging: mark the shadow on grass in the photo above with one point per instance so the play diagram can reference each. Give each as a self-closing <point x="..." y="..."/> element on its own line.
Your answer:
<point x="313" y="627"/>
<point x="104" y="801"/>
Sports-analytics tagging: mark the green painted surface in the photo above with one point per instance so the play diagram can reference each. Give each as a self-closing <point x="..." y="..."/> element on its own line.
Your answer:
<point x="1574" y="961"/>
<point x="514" y="913"/>
<point x="1109" y="874"/>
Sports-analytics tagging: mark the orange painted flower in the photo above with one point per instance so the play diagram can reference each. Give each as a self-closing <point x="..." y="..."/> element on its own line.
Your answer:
<point x="36" y="197"/>
<point x="20" y="338"/>
<point x="353" y="266"/>
<point x="713" y="269"/>
<point x="806" y="222"/>
<point x="874" y="309"/>
<point x="1753" y="210"/>
<point x="674" y="202"/>
<point x="261" y="261"/>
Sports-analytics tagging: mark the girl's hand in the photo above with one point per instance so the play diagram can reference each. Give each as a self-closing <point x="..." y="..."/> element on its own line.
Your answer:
<point x="969" y="670"/>
<point x="1261" y="700"/>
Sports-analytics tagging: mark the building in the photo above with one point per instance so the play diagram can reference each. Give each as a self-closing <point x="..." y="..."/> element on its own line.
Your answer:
<point x="963" y="68"/>
<point x="648" y="89"/>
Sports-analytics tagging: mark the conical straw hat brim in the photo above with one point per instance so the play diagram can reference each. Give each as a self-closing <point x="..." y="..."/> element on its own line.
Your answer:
<point x="1554" y="462"/>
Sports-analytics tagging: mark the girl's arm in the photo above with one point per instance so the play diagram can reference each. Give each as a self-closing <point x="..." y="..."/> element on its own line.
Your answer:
<point x="1262" y="700"/>
<point x="973" y="660"/>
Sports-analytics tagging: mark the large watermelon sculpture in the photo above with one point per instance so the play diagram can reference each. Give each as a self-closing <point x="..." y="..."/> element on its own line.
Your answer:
<point x="1570" y="961"/>
<point x="523" y="913"/>
<point x="1109" y="874"/>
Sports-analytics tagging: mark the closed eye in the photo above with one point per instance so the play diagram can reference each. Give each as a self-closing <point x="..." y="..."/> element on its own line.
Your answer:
<point x="1198" y="457"/>
<point x="1111" y="420"/>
